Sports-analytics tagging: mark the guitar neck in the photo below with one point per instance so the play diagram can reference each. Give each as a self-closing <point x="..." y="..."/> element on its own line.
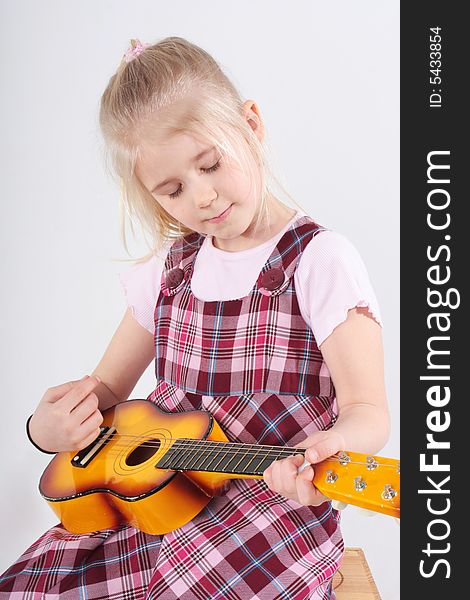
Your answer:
<point x="222" y="457"/>
<point x="366" y="481"/>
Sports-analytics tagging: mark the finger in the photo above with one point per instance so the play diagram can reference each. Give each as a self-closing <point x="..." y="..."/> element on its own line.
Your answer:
<point x="90" y="435"/>
<point x="57" y="392"/>
<point x="298" y="460"/>
<point x="285" y="473"/>
<point x="90" y="428"/>
<point x="78" y="393"/>
<point x="85" y="442"/>
<point x="312" y="439"/>
<point x="85" y="409"/>
<point x="267" y="476"/>
<point x="273" y="477"/>
<point x="305" y="488"/>
<point x="306" y="491"/>
<point x="93" y="422"/>
<point x="324" y="448"/>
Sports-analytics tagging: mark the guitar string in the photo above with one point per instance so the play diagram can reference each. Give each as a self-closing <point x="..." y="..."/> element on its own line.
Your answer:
<point x="211" y="445"/>
<point x="206" y="451"/>
<point x="208" y="447"/>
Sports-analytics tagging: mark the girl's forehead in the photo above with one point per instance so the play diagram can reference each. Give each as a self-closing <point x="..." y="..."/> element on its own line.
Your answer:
<point x="170" y="153"/>
<point x="174" y="145"/>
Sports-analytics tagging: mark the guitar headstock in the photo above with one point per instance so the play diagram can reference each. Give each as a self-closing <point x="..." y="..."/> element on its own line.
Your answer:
<point x="371" y="482"/>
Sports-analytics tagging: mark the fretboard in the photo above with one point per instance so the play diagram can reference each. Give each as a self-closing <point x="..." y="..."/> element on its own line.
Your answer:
<point x="222" y="457"/>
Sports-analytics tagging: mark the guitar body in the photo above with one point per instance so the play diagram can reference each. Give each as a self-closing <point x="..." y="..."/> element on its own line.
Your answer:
<point x="157" y="471"/>
<point x="120" y="484"/>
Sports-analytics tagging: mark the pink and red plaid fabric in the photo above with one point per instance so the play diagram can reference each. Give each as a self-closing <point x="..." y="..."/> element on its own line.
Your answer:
<point x="254" y="364"/>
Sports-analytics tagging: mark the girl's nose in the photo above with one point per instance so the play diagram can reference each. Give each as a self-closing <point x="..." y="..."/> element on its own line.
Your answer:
<point x="205" y="197"/>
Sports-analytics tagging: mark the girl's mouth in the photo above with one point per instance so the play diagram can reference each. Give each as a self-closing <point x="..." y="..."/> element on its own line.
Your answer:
<point x="222" y="216"/>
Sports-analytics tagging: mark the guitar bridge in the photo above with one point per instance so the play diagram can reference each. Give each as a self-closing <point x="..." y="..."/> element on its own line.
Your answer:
<point x="83" y="458"/>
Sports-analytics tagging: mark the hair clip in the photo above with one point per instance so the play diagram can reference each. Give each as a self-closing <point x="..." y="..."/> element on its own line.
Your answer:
<point x="134" y="50"/>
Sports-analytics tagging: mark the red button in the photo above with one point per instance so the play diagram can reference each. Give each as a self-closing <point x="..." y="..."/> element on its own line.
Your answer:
<point x="174" y="277"/>
<point x="272" y="279"/>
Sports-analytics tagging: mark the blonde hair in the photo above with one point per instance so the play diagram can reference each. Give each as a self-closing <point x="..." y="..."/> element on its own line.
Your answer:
<point x="171" y="87"/>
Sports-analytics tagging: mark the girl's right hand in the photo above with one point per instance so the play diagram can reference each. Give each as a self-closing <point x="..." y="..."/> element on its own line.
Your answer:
<point x="67" y="417"/>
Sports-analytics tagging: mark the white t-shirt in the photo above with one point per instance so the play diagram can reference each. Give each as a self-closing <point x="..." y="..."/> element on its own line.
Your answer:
<point x="330" y="279"/>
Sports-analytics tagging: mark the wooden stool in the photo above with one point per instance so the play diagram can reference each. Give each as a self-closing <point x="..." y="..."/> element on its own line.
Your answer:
<point x="353" y="580"/>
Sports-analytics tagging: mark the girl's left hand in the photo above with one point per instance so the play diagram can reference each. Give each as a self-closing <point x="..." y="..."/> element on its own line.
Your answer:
<point x="282" y="476"/>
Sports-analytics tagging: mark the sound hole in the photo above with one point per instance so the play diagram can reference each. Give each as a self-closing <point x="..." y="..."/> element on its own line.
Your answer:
<point x="143" y="452"/>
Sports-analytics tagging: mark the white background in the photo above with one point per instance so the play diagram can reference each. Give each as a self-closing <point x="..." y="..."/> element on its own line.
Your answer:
<point x="326" y="79"/>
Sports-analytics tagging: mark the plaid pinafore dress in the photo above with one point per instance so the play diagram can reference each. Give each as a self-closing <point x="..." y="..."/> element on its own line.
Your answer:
<point x="254" y="364"/>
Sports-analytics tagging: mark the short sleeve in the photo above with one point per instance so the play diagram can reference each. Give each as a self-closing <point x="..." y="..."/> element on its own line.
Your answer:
<point x="331" y="278"/>
<point x="140" y="283"/>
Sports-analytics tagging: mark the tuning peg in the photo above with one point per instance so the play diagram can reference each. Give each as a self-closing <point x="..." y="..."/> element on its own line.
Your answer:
<point x="371" y="463"/>
<point x="389" y="493"/>
<point x="359" y="484"/>
<point x="343" y="458"/>
<point x="331" y="476"/>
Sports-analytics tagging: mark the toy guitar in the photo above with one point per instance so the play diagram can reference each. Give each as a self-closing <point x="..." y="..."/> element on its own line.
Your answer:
<point x="157" y="470"/>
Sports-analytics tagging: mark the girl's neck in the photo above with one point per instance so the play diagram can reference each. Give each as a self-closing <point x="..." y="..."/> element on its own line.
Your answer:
<point x="279" y="216"/>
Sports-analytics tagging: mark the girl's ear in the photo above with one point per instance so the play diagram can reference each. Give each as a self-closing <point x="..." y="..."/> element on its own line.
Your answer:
<point x="252" y="115"/>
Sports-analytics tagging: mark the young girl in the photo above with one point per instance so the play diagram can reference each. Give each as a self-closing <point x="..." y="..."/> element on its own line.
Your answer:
<point x="252" y="311"/>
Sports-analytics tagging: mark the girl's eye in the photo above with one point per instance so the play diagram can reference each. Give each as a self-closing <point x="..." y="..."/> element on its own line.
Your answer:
<point x="208" y="170"/>
<point x="177" y="193"/>
<point x="213" y="168"/>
